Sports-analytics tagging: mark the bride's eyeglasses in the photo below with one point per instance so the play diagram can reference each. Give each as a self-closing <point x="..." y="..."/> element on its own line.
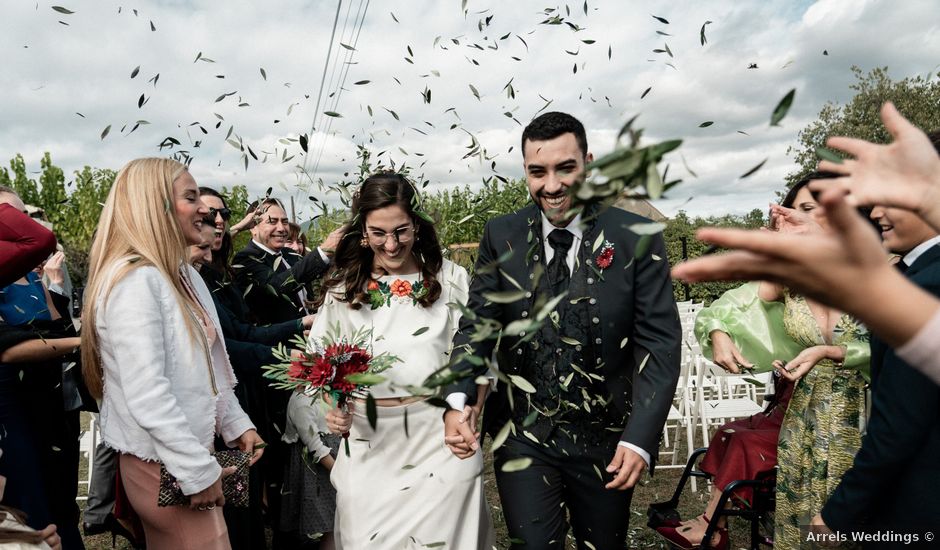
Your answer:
<point x="402" y="235"/>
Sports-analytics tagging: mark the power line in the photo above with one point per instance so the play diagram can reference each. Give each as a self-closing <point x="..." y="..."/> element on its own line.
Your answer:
<point x="323" y="78"/>
<point x="320" y="119"/>
<point x="345" y="71"/>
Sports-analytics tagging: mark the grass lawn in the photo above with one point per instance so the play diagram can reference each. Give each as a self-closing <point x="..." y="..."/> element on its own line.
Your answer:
<point x="655" y="489"/>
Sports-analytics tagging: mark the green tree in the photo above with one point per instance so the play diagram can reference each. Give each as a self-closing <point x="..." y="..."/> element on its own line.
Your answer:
<point x="917" y="98"/>
<point x="681" y="244"/>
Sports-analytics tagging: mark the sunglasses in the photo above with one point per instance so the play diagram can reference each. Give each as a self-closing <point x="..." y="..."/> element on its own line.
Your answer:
<point x="224" y="212"/>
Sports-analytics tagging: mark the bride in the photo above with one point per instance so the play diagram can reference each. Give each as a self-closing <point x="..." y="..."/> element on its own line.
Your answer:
<point x="400" y="487"/>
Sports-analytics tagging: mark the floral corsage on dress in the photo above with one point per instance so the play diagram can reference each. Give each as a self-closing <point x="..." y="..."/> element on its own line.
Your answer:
<point x="382" y="293"/>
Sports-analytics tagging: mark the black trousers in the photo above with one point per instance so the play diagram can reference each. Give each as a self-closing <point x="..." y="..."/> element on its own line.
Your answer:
<point x="563" y="476"/>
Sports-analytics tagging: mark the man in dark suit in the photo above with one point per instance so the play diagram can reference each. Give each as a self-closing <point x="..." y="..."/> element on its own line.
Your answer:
<point x="274" y="279"/>
<point x="592" y="374"/>
<point x="273" y="276"/>
<point x="894" y="483"/>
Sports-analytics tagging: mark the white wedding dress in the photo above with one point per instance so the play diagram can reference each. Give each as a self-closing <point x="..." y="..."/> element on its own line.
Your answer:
<point x="401" y="487"/>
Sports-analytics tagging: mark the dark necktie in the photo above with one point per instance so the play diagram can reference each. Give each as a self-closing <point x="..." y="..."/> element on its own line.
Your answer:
<point x="902" y="267"/>
<point x="558" y="272"/>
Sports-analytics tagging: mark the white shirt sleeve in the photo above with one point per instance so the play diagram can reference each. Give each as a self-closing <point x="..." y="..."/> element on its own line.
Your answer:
<point x="323" y="256"/>
<point x="457" y="400"/>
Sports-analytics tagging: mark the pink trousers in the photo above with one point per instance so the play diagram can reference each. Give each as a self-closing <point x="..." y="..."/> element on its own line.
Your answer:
<point x="170" y="527"/>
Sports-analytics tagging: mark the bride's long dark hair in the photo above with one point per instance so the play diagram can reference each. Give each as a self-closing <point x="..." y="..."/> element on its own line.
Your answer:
<point x="353" y="263"/>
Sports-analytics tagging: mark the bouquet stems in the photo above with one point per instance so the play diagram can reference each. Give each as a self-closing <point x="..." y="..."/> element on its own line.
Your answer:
<point x="345" y="408"/>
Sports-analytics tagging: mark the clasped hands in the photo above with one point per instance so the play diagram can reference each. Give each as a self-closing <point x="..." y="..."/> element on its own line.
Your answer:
<point x="462" y="437"/>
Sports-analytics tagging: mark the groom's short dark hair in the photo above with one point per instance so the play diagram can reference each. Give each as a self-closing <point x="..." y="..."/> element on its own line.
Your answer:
<point x="553" y="124"/>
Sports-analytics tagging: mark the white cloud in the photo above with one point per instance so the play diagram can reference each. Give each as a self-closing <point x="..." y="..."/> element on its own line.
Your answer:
<point x="85" y="67"/>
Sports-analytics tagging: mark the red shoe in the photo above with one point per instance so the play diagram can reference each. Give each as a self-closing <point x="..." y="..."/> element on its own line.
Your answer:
<point x="678" y="540"/>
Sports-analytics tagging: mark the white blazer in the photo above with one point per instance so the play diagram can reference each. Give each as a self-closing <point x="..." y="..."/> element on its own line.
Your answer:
<point x="165" y="394"/>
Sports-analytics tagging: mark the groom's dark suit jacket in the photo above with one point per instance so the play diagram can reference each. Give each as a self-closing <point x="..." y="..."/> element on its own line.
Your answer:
<point x="271" y="287"/>
<point x="631" y="299"/>
<point x="895" y="479"/>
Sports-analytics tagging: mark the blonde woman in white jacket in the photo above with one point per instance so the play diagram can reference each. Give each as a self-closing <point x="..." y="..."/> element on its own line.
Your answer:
<point x="152" y="350"/>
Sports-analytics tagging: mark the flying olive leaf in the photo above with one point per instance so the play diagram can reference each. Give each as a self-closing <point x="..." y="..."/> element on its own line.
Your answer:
<point x="60" y="9"/>
<point x="501" y="436"/>
<point x="371" y="412"/>
<point x="781" y="110"/>
<point x="135" y="71"/>
<point x="752" y="170"/>
<point x="654" y="182"/>
<point x="647" y="228"/>
<point x="827" y="154"/>
<point x="516" y="465"/>
<point x="333" y="114"/>
<point x="104" y="133"/>
<point x="474" y="91"/>
<point x="361" y="82"/>
<point x="264" y="74"/>
<point x="506" y="297"/>
<point x="420" y="331"/>
<point x="686" y="165"/>
<point x="643" y="364"/>
<point x="660" y="19"/>
<point x="153" y="28"/>
<point x="646" y="91"/>
<point x="706" y="124"/>
<point x="521" y="383"/>
<point x="702" y="33"/>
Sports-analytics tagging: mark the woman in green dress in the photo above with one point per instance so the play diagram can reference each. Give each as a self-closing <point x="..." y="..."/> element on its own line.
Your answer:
<point x="822" y="428"/>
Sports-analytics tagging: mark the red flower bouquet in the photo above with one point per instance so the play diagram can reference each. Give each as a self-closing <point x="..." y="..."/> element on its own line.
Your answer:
<point x="339" y="366"/>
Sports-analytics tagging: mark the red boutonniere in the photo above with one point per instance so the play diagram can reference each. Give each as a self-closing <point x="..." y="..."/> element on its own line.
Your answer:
<point x="606" y="257"/>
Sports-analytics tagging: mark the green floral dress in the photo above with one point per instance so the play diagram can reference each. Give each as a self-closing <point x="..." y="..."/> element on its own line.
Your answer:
<point x="821" y="430"/>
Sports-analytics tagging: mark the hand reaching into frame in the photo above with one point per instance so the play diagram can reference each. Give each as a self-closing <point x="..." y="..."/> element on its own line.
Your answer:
<point x="903" y="174"/>
<point x="845" y="268"/>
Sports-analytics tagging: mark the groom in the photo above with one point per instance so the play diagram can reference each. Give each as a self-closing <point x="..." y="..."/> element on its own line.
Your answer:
<point x="603" y="365"/>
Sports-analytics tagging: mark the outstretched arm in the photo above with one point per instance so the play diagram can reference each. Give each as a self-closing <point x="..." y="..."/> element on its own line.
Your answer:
<point x="845" y="269"/>
<point x="904" y="173"/>
<point x="23" y="244"/>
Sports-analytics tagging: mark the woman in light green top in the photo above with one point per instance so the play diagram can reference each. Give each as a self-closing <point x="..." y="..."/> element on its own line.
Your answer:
<point x="761" y="326"/>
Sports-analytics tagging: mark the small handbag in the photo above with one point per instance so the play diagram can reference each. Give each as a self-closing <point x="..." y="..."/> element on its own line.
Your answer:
<point x="234" y="487"/>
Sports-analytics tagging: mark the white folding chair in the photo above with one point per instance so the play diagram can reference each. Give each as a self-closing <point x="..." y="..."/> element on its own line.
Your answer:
<point x="87" y="444"/>
<point x="714" y="408"/>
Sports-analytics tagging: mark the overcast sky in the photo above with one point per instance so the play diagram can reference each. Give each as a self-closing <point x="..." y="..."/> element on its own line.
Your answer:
<point x="52" y="72"/>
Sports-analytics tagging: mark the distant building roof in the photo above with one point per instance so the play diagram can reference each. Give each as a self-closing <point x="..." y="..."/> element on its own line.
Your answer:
<point x="641" y="207"/>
